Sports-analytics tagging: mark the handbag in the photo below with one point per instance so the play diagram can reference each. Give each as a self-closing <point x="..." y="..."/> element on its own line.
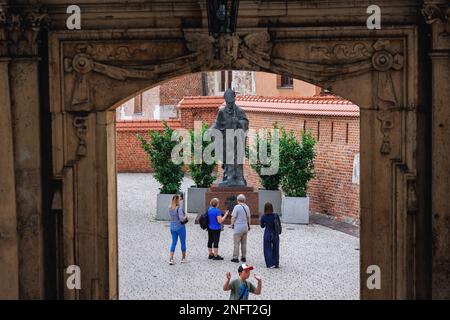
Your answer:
<point x="185" y="218"/>
<point x="246" y="216"/>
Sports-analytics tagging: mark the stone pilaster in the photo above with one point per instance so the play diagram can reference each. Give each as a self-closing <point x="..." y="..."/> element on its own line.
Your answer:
<point x="9" y="277"/>
<point x="437" y="14"/>
<point x="22" y="28"/>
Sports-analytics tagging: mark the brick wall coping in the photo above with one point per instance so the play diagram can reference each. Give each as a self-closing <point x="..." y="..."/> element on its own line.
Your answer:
<point x="140" y="125"/>
<point x="320" y="105"/>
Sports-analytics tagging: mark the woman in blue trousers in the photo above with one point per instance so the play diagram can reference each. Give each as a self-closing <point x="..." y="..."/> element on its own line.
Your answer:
<point x="177" y="228"/>
<point x="271" y="237"/>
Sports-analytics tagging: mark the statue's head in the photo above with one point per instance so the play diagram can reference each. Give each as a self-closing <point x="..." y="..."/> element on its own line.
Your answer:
<point x="230" y="96"/>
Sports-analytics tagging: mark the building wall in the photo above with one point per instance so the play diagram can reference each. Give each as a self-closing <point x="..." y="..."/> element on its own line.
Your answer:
<point x="167" y="94"/>
<point x="243" y="82"/>
<point x="130" y="157"/>
<point x="171" y="92"/>
<point x="150" y="99"/>
<point x="267" y="84"/>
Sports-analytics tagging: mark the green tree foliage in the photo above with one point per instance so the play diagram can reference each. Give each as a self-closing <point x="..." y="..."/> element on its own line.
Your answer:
<point x="296" y="163"/>
<point x="201" y="173"/>
<point x="269" y="182"/>
<point x="159" y="150"/>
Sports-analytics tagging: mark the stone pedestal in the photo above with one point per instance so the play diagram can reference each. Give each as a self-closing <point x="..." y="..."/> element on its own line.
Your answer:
<point x="224" y="194"/>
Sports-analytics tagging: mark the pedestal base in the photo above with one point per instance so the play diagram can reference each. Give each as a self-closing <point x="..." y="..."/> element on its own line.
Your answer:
<point x="225" y="196"/>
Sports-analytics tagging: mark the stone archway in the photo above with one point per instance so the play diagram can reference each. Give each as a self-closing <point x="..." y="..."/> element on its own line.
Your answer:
<point x="66" y="118"/>
<point x="100" y="69"/>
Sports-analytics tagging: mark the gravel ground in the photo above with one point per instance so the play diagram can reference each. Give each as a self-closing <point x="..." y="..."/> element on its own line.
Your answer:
<point x="315" y="262"/>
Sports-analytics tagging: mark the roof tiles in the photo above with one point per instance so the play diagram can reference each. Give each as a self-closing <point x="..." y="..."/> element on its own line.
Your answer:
<point x="319" y="105"/>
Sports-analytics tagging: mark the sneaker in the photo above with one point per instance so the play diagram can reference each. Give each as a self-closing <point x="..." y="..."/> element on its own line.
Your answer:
<point x="218" y="258"/>
<point x="234" y="260"/>
<point x="183" y="260"/>
<point x="272" y="267"/>
<point x="243" y="259"/>
<point x="211" y="256"/>
<point x="171" y="262"/>
<point x="277" y="267"/>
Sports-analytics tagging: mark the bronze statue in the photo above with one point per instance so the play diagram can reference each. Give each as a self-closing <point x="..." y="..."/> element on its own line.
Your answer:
<point x="229" y="119"/>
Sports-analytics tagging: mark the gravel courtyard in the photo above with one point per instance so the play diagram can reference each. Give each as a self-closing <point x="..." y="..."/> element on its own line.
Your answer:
<point x="315" y="262"/>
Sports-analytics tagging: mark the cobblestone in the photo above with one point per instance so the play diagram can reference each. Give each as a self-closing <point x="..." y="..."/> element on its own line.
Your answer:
<point x="315" y="262"/>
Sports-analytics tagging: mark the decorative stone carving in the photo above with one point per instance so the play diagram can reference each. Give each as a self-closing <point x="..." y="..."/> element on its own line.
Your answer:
<point x="341" y="52"/>
<point x="19" y="31"/>
<point x="439" y="17"/>
<point x="234" y="52"/>
<point x="238" y="51"/>
<point x="3" y="35"/>
<point x="433" y="13"/>
<point x="82" y="65"/>
<point x="79" y="123"/>
<point x="383" y="61"/>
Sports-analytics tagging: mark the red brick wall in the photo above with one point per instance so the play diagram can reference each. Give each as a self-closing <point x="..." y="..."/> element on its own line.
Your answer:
<point x="130" y="156"/>
<point x="188" y="116"/>
<point x="173" y="91"/>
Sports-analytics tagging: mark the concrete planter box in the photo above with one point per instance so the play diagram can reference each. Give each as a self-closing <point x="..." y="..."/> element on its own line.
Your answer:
<point x="272" y="196"/>
<point x="195" y="199"/>
<point x="162" y="206"/>
<point x="295" y="210"/>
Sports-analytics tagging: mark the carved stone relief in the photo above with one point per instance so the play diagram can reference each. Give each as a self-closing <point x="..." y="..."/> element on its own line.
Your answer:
<point x="205" y="52"/>
<point x="19" y="31"/>
<point x="3" y="35"/>
<point x="385" y="61"/>
<point x="240" y="51"/>
<point x="80" y="125"/>
<point x="434" y="13"/>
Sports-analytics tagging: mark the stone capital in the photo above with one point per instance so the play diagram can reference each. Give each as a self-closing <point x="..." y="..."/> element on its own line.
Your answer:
<point x="438" y="15"/>
<point x="20" y="28"/>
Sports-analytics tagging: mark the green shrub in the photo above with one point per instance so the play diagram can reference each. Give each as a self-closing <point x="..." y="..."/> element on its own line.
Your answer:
<point x="201" y="173"/>
<point x="269" y="182"/>
<point x="159" y="150"/>
<point x="296" y="163"/>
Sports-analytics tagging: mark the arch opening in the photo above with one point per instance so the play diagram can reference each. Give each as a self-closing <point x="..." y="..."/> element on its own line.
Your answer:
<point x="334" y="192"/>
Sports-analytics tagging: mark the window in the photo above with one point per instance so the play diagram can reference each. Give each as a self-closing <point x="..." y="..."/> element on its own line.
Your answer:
<point x="138" y="104"/>
<point x="285" y="82"/>
<point x="226" y="79"/>
<point x="356" y="169"/>
<point x="222" y="81"/>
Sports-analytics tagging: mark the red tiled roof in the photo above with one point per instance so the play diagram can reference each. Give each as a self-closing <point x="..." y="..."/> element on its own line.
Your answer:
<point x="200" y="102"/>
<point x="319" y="105"/>
<point x="132" y="125"/>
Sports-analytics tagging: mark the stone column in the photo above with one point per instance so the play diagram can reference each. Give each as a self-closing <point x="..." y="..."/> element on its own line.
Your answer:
<point x="23" y="28"/>
<point x="437" y="14"/>
<point x="9" y="277"/>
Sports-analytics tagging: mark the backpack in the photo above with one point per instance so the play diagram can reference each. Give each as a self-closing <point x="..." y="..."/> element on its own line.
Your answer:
<point x="203" y="221"/>
<point x="277" y="224"/>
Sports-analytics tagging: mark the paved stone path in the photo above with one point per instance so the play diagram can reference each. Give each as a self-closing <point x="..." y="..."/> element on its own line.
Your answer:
<point x="316" y="262"/>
